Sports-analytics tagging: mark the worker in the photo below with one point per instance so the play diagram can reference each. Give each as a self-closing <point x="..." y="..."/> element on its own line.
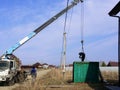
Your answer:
<point x="33" y="73"/>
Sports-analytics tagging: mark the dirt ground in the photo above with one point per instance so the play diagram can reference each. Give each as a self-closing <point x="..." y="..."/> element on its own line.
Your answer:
<point x="40" y="74"/>
<point x="53" y="80"/>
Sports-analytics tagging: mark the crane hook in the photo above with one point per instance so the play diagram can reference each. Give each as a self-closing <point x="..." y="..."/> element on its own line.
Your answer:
<point x="82" y="56"/>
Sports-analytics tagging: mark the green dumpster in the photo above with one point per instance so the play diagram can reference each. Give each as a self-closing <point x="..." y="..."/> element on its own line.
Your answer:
<point x="87" y="72"/>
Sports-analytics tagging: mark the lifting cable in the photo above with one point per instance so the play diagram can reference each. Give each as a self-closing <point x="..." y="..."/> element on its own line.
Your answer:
<point x="82" y="26"/>
<point x="82" y="54"/>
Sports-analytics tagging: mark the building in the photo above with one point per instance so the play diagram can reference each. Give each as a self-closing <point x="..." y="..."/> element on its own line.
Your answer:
<point x="112" y="63"/>
<point x="38" y="65"/>
<point x="45" y="66"/>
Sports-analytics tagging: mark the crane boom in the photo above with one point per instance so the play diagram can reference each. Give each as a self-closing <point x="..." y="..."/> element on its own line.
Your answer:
<point x="36" y="31"/>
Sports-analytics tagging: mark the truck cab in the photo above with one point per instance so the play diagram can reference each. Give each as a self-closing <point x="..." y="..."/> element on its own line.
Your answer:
<point x="10" y="69"/>
<point x="7" y="70"/>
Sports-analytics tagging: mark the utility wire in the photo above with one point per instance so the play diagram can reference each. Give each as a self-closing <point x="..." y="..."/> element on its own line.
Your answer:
<point x="66" y="17"/>
<point x="65" y="25"/>
<point x="64" y="31"/>
<point x="63" y="53"/>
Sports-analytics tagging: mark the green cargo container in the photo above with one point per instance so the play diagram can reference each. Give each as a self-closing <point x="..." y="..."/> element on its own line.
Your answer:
<point x="86" y="72"/>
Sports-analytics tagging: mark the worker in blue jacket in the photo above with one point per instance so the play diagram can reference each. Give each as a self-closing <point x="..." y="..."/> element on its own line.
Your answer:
<point x="34" y="72"/>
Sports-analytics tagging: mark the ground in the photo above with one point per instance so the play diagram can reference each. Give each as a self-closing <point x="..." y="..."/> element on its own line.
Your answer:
<point x="53" y="79"/>
<point x="41" y="73"/>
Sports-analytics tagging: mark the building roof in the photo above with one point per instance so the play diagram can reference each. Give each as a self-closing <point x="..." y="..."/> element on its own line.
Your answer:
<point x="52" y="66"/>
<point x="70" y="65"/>
<point x="44" y="64"/>
<point x="112" y="63"/>
<point x="37" y="64"/>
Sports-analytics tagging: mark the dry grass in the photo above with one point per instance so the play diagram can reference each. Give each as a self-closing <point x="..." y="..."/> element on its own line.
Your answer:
<point x="55" y="77"/>
<point x="110" y="77"/>
<point x="54" y="80"/>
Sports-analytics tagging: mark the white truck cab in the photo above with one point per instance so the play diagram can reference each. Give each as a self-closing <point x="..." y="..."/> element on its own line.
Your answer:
<point x="7" y="70"/>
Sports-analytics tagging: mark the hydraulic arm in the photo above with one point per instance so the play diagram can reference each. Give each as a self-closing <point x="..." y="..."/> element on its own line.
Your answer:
<point x="35" y="32"/>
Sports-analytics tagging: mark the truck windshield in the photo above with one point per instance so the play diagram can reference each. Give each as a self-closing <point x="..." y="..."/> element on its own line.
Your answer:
<point x="4" y="64"/>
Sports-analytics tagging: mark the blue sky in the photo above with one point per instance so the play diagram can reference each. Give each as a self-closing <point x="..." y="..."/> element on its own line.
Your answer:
<point x="20" y="17"/>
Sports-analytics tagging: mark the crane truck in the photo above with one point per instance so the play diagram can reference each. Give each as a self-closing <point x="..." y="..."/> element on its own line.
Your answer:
<point x="10" y="65"/>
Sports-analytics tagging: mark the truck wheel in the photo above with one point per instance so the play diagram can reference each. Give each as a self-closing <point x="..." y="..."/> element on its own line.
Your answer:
<point x="21" y="78"/>
<point x="11" y="82"/>
<point x="16" y="80"/>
